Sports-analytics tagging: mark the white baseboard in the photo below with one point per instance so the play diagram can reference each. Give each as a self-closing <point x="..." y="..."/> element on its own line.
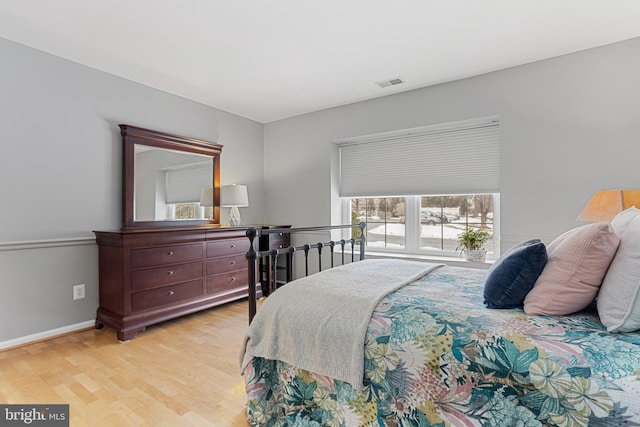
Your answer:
<point x="40" y="336"/>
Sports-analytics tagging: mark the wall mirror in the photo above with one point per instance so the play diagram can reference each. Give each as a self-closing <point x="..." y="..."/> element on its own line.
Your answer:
<point x="168" y="180"/>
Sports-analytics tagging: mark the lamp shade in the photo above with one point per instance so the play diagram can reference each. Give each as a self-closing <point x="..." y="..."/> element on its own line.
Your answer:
<point x="206" y="196"/>
<point x="604" y="205"/>
<point x="234" y="195"/>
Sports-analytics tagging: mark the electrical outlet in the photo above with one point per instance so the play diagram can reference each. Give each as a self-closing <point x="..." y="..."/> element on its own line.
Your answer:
<point x="78" y="291"/>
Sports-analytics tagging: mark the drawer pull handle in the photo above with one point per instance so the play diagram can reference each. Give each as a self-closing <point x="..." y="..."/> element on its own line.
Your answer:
<point x="170" y="273"/>
<point x="280" y="247"/>
<point x="233" y="246"/>
<point x="169" y="253"/>
<point x="171" y="293"/>
<point x="233" y="279"/>
<point x="233" y="262"/>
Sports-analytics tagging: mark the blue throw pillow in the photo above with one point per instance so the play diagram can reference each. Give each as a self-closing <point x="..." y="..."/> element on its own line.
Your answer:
<point x="513" y="275"/>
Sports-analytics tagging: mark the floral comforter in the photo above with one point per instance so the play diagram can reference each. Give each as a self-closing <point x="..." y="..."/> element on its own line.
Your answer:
<point x="435" y="356"/>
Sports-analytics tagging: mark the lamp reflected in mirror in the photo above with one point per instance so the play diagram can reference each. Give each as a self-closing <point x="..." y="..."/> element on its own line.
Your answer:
<point x="604" y="205"/>
<point x="234" y="196"/>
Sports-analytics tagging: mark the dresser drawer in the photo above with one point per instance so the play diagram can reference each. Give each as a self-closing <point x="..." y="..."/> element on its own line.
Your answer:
<point x="165" y="255"/>
<point x="227" y="281"/>
<point x="226" y="264"/>
<point x="279" y="241"/>
<point x="227" y="247"/>
<point x="161" y="276"/>
<point x="166" y="295"/>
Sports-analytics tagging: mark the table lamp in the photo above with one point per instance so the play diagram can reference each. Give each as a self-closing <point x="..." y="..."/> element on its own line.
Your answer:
<point x="234" y="196"/>
<point x="604" y="205"/>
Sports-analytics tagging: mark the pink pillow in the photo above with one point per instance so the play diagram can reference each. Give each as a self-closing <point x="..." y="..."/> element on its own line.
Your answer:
<point x="577" y="262"/>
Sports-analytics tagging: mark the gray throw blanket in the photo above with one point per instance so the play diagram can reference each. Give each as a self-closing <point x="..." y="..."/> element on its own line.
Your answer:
<point x="318" y="323"/>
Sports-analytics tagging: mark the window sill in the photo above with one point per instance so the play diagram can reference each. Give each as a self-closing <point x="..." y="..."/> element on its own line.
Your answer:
<point x="453" y="261"/>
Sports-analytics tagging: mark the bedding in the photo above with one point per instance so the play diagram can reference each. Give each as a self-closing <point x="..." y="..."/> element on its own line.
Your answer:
<point x="324" y="345"/>
<point x="434" y="355"/>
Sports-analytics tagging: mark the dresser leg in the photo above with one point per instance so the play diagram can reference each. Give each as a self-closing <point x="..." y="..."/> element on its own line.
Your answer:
<point x="129" y="334"/>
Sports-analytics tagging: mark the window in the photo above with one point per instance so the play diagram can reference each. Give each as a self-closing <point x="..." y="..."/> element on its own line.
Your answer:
<point x="443" y="218"/>
<point x="181" y="211"/>
<point x="448" y="175"/>
<point x="384" y="218"/>
<point x="186" y="210"/>
<point x="427" y="225"/>
<point x="183" y="187"/>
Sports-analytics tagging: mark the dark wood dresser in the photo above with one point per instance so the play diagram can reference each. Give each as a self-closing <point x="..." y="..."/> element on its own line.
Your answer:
<point x="152" y="275"/>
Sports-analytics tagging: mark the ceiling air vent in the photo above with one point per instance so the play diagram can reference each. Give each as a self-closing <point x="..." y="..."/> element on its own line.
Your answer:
<point x="391" y="82"/>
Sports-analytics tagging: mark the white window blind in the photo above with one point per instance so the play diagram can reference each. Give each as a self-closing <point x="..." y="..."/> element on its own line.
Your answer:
<point x="184" y="185"/>
<point x="457" y="159"/>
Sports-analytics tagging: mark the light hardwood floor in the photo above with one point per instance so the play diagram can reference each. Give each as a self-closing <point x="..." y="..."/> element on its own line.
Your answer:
<point x="183" y="372"/>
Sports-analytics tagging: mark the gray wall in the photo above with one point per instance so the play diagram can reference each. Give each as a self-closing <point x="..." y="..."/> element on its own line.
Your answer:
<point x="569" y="126"/>
<point x="60" y="166"/>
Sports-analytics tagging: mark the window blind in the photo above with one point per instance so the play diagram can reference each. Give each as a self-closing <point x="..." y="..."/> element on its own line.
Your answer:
<point x="184" y="185"/>
<point x="459" y="159"/>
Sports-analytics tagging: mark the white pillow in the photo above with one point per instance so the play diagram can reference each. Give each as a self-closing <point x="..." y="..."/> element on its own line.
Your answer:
<point x="619" y="297"/>
<point x="622" y="220"/>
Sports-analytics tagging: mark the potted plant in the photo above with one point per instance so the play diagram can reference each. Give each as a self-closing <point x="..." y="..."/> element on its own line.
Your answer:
<point x="471" y="242"/>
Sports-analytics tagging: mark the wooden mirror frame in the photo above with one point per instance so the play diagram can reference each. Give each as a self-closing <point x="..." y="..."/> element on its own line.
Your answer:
<point x="132" y="135"/>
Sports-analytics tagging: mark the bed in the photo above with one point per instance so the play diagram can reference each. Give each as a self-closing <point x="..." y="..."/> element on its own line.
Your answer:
<point x="433" y="354"/>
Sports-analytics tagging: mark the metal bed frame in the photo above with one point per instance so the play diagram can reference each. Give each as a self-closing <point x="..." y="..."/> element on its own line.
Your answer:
<point x="258" y="260"/>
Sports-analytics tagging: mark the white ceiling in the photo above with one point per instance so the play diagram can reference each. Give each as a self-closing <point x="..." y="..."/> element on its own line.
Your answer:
<point x="268" y="60"/>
